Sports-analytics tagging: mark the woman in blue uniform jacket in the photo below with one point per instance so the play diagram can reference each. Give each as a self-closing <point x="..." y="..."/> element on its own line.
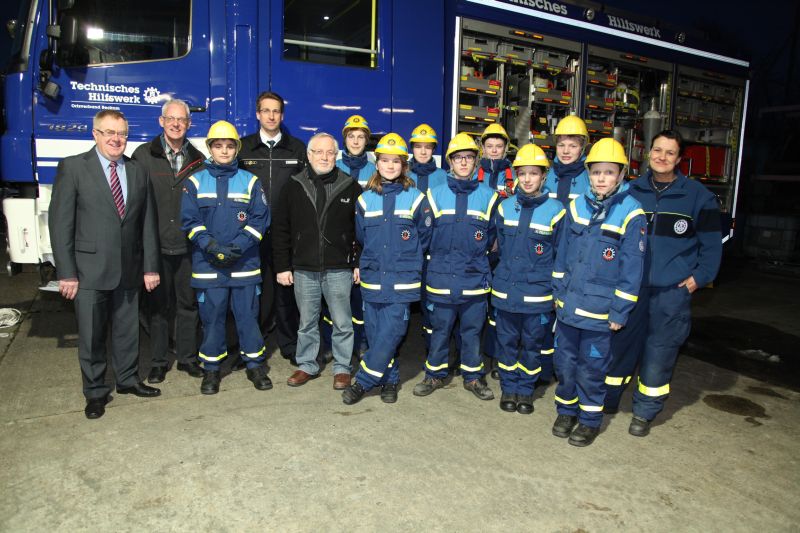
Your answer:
<point x="596" y="283"/>
<point x="522" y="295"/>
<point x="225" y="214"/>
<point x="393" y="225"/>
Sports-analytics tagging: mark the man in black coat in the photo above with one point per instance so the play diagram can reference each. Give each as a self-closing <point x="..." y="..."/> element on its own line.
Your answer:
<point x="170" y="159"/>
<point x="274" y="156"/>
<point x="104" y="236"/>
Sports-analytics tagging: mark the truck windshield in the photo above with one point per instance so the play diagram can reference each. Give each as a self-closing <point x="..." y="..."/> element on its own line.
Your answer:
<point x="120" y="32"/>
<point x="20" y="47"/>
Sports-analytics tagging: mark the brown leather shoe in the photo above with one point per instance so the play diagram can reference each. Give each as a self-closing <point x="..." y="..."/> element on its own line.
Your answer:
<point x="341" y="381"/>
<point x="300" y="378"/>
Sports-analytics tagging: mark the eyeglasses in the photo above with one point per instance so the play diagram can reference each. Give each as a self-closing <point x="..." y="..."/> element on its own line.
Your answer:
<point x="111" y="133"/>
<point x="318" y="153"/>
<point x="181" y="120"/>
<point x="463" y="158"/>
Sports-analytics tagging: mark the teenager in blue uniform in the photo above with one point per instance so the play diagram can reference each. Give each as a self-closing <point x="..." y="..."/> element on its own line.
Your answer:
<point x="528" y="225"/>
<point x="495" y="172"/>
<point x="596" y="282"/>
<point x="566" y="180"/>
<point x="458" y="275"/>
<point x="393" y="224"/>
<point x="225" y="214"/>
<point x="427" y="175"/>
<point x="684" y="250"/>
<point x="355" y="163"/>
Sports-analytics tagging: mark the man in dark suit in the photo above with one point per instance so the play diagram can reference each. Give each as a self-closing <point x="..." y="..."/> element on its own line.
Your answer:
<point x="169" y="159"/>
<point x="104" y="235"/>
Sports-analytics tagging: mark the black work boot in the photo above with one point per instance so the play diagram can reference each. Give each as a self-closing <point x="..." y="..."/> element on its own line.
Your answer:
<point x="258" y="376"/>
<point x="479" y="389"/>
<point x="563" y="425"/>
<point x="525" y="404"/>
<point x="210" y="384"/>
<point x="508" y="402"/>
<point x="353" y="393"/>
<point x="639" y="427"/>
<point x="427" y="386"/>
<point x="389" y="393"/>
<point x="583" y="435"/>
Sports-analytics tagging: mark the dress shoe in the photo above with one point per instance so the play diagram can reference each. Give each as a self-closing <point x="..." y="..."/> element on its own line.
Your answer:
<point x="353" y="393"/>
<point x="300" y="378"/>
<point x="639" y="427"/>
<point x="341" y="381"/>
<point x="583" y="435"/>
<point x="479" y="389"/>
<point x="157" y="374"/>
<point x="141" y="390"/>
<point x="427" y="386"/>
<point x="210" y="384"/>
<point x="238" y="364"/>
<point x="96" y="407"/>
<point x="192" y="368"/>
<point x="258" y="376"/>
<point x="389" y="393"/>
<point x="508" y="402"/>
<point x="525" y="404"/>
<point x="563" y="425"/>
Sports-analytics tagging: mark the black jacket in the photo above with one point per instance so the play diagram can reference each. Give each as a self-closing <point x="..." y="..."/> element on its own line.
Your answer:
<point x="273" y="167"/>
<point x="310" y="237"/>
<point x="168" y="191"/>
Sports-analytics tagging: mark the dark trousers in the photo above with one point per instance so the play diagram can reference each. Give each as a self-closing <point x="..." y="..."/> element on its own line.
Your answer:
<point x="386" y="325"/>
<point x="95" y="310"/>
<point x="172" y="306"/>
<point x="278" y="307"/>
<point x="656" y="329"/>
<point x="214" y="305"/>
<point x="520" y="338"/>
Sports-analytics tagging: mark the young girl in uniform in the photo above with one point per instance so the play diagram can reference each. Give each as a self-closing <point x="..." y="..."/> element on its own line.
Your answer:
<point x="393" y="224"/>
<point x="528" y="224"/>
<point x="596" y="281"/>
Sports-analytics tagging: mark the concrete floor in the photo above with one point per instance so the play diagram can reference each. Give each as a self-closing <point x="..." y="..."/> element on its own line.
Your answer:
<point x="723" y="457"/>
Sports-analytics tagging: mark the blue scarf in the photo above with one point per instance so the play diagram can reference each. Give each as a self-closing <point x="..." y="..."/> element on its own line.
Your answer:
<point x="391" y="187"/>
<point x="494" y="167"/>
<point x="566" y="176"/>
<point x="422" y="170"/>
<point x="462" y="186"/>
<point x="221" y="171"/>
<point x="355" y="163"/>
<point x="525" y="201"/>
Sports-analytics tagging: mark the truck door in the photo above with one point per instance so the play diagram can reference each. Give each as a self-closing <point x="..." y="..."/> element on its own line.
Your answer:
<point x="127" y="56"/>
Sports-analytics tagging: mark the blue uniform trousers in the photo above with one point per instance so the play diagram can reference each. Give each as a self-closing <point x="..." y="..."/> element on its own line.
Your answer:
<point x="582" y="359"/>
<point x="471" y="316"/>
<point x="519" y="336"/>
<point x="386" y="326"/>
<point x="548" y="351"/>
<point x="357" y="309"/>
<point x="656" y="329"/>
<point x="213" y="305"/>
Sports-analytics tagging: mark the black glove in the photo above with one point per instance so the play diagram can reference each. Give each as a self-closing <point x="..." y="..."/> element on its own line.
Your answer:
<point x="224" y="256"/>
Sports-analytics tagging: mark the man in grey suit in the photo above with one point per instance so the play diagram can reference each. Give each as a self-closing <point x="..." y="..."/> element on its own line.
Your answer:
<point x="104" y="235"/>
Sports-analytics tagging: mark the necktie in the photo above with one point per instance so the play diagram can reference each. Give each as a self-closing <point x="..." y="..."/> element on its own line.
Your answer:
<point x="116" y="189"/>
<point x="271" y="144"/>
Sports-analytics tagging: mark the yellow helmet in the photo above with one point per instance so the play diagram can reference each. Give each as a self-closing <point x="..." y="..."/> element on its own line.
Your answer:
<point x="356" y="122"/>
<point x="461" y="141"/>
<point x="532" y="155"/>
<point x="223" y="130"/>
<point x="392" y="144"/>
<point x="423" y="134"/>
<point x="572" y="125"/>
<point x="607" y="150"/>
<point x="495" y="130"/>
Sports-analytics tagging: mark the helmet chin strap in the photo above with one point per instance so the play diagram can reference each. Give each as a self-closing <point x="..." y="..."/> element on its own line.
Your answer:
<point x="612" y="192"/>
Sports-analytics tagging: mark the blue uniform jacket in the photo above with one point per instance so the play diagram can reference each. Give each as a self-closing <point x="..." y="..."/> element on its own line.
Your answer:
<point x="434" y="179"/>
<point x="598" y="270"/>
<point x="498" y="175"/>
<point x="580" y="183"/>
<point x="363" y="176"/>
<point x="683" y="232"/>
<point x="394" y="230"/>
<point x="232" y="211"/>
<point x="463" y="231"/>
<point x="527" y="235"/>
